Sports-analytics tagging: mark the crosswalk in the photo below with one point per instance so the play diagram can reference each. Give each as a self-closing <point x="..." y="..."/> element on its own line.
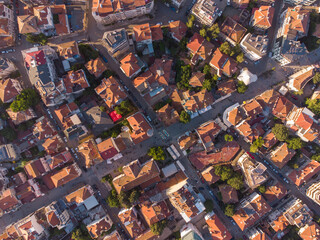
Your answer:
<point x="164" y="134"/>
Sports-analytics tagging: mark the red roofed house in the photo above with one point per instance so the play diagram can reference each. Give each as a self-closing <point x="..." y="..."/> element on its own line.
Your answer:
<point x="199" y="48"/>
<point x="111" y="92"/>
<point x="65" y="175"/>
<point x="282" y="155"/>
<point x="229" y="194"/>
<point x="282" y="108"/>
<point x="89" y="151"/>
<point x="75" y="82"/>
<point x="52" y="145"/>
<point x="100" y="226"/>
<point x="177" y="30"/>
<point x="21" y="116"/>
<point x="232" y="31"/>
<point x="310" y="232"/>
<point x="274" y="191"/>
<point x="262" y="17"/>
<point x="9" y="89"/>
<point x="8" y="201"/>
<point x="110" y="149"/>
<point x="207" y="133"/>
<point x="304" y="173"/>
<point x="131" y="65"/>
<point x="130" y="219"/>
<point x="302" y="121"/>
<point x="96" y="67"/>
<point x="62" y="25"/>
<point x="234" y="116"/>
<point x="43" y="128"/>
<point x="64" y="113"/>
<point x="209" y="175"/>
<point x="257" y="234"/>
<point x="36" y="168"/>
<point x="140" y="129"/>
<point x="300" y="79"/>
<point x="217" y="229"/>
<point x="154" y="212"/>
<point x="223" y="63"/>
<point x="168" y="115"/>
<point x="252" y="109"/>
<point x="58" y="216"/>
<point x="250" y="210"/>
<point x="136" y="174"/>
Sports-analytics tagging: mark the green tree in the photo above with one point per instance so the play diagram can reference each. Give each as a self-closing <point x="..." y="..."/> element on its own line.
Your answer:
<point x="281" y="132"/>
<point x="124" y="199"/>
<point x="124" y="108"/>
<point x="229" y="210"/>
<point x="207" y="70"/>
<point x="190" y="21"/>
<point x="203" y="32"/>
<point x="103" y="108"/>
<point x="224" y="172"/>
<point x="26" y="99"/>
<point x="134" y="196"/>
<point x="8" y="133"/>
<point x="262" y="188"/>
<point x="225" y="48"/>
<point x="295" y="166"/>
<point x="316" y="157"/>
<point x="208" y="205"/>
<point x="236" y="50"/>
<point x="316" y="78"/>
<point x="207" y="84"/>
<point x="236" y="181"/>
<point x="242" y="88"/>
<point x="184" y="117"/>
<point x="157" y="153"/>
<point x="228" y="138"/>
<point x="112" y="199"/>
<point x="183" y="44"/>
<point x="240" y="58"/>
<point x="37" y="38"/>
<point x="313" y="105"/>
<point x="214" y="30"/>
<point x="158" y="227"/>
<point x="78" y="234"/>
<point x="295" y="143"/>
<point x="184" y="77"/>
<point x="256" y="145"/>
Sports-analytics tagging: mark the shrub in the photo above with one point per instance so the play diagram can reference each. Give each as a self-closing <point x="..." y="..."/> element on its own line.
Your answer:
<point x="157" y="153"/>
<point x="281" y="132"/>
<point x="184" y="117"/>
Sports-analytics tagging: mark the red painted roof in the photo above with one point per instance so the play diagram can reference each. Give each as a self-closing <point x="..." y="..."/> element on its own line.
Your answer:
<point x="115" y="116"/>
<point x="38" y="56"/>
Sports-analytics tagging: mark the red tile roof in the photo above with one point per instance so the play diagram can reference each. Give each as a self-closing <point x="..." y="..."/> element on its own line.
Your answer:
<point x="154" y="212"/>
<point x="129" y="65"/>
<point x="305" y="173"/>
<point x="310" y="231"/>
<point x="217" y="229"/>
<point x="178" y="29"/>
<point x="282" y="108"/>
<point x="140" y="128"/>
<point x="195" y="43"/>
<point x="223" y="63"/>
<point x="9" y="89"/>
<point x="263" y="17"/>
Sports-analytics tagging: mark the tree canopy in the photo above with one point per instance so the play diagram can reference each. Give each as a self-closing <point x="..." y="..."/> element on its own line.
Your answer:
<point x="112" y="199"/>
<point x="8" y="133"/>
<point x="26" y="99"/>
<point x="208" y="205"/>
<point x="236" y="181"/>
<point x="240" y="58"/>
<point x="256" y="145"/>
<point x="225" y="48"/>
<point x="191" y="19"/>
<point x="124" y="108"/>
<point x="157" y="153"/>
<point x="316" y="78"/>
<point x="183" y="77"/>
<point x="158" y="227"/>
<point x="280" y="132"/>
<point x="37" y="38"/>
<point x="313" y="105"/>
<point x="229" y="210"/>
<point x="242" y="88"/>
<point x="316" y="157"/>
<point x="295" y="143"/>
<point x="214" y="30"/>
<point x="262" y="188"/>
<point x="228" y="138"/>
<point x="184" y="117"/>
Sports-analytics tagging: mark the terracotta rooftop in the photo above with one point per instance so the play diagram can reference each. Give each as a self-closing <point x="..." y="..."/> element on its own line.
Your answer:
<point x="234" y="116"/>
<point x="268" y="98"/>
<point x="110" y="91"/>
<point x="108" y="149"/>
<point x="8" y="201"/>
<point x="297" y="20"/>
<point x="187" y="141"/>
<point x="97" y="228"/>
<point x="263" y="17"/>
<point x="52" y="145"/>
<point x="65" y="111"/>
<point x="226" y="87"/>
<point x="130" y="220"/>
<point x="282" y="155"/>
<point x="275" y="192"/>
<point x="22" y="116"/>
<point x="282" y="108"/>
<point x="140" y="128"/>
<point x="178" y="29"/>
<point x="130" y="65"/>
<point x="96" y="67"/>
<point x="90" y="152"/>
<point x="75" y="81"/>
<point x="209" y="175"/>
<point x="280" y="223"/>
<point x="310" y="231"/>
<point x="217" y="229"/>
<point x="9" y="89"/>
<point x="52" y="218"/>
<point x="305" y="173"/>
<point x="36" y="168"/>
<point x="79" y="195"/>
<point x="142" y="32"/>
<point x="43" y="129"/>
<point x="154" y="212"/>
<point x="300" y="81"/>
<point x="134" y="174"/>
<point x="197" y="79"/>
<point x="269" y="140"/>
<point x="68" y="50"/>
<point x="250" y="210"/>
<point x="168" y="115"/>
<point x="201" y="159"/>
<point x="198" y="101"/>
<point x="207" y="133"/>
<point x="252" y="108"/>
<point x="65" y="175"/>
<point x="156" y="32"/>
<point x="223" y="63"/>
<point x="195" y="43"/>
<point x="232" y="30"/>
<point x="27" y="24"/>
<point x="229" y="194"/>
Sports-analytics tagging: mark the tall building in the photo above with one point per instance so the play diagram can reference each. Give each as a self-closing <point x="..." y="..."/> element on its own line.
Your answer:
<point x="313" y="192"/>
<point x="6" y="26"/>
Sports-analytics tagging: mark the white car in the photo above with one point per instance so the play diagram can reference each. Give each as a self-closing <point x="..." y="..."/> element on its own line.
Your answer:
<point x="159" y="23"/>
